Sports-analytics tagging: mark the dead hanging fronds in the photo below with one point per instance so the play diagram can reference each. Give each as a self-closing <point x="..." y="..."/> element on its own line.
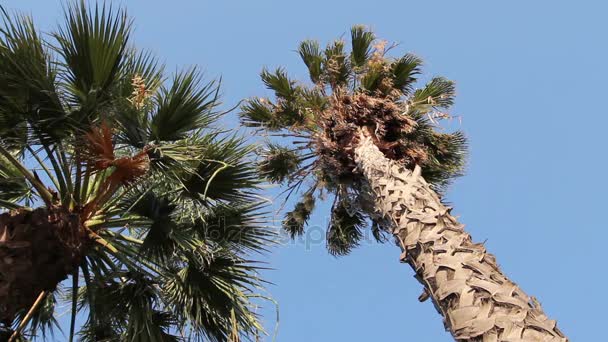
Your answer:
<point x="382" y="118"/>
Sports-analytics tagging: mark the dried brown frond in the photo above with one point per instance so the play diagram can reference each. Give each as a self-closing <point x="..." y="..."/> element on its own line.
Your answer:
<point x="99" y="147"/>
<point x="382" y="118"/>
<point x="129" y="169"/>
<point x="417" y="154"/>
<point x="99" y="154"/>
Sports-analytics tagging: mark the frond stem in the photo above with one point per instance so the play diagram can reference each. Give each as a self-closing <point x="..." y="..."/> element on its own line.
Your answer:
<point x="44" y="167"/>
<point x="49" y="154"/>
<point x="74" y="303"/>
<point x="43" y="192"/>
<point x="11" y="205"/>
<point x="28" y="316"/>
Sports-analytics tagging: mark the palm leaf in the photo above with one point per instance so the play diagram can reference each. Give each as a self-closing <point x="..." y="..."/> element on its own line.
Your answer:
<point x="439" y="92"/>
<point x="13" y="185"/>
<point x="345" y="230"/>
<point x="27" y="85"/>
<point x="257" y="112"/>
<point x="205" y="294"/>
<point x="336" y="67"/>
<point x="223" y="173"/>
<point x="279" y="82"/>
<point x="404" y="72"/>
<point x="361" y="40"/>
<point x="93" y="44"/>
<point x="188" y="105"/>
<point x="278" y="162"/>
<point x="311" y="54"/>
<point x="44" y="321"/>
<point x="237" y="227"/>
<point x="296" y="220"/>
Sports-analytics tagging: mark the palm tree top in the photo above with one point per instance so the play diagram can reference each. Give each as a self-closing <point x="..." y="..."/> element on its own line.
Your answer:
<point x="350" y="92"/>
<point x="92" y="130"/>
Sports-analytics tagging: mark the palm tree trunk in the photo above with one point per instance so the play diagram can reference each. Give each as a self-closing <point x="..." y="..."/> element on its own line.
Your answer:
<point x="477" y="301"/>
<point x="38" y="249"/>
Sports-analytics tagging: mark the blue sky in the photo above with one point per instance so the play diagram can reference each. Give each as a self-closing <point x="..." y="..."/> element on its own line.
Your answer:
<point x="531" y="79"/>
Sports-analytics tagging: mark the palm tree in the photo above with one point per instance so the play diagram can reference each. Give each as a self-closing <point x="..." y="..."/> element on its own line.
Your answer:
<point x="114" y="174"/>
<point x="363" y="133"/>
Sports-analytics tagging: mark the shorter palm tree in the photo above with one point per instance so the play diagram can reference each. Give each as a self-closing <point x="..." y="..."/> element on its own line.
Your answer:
<point x="362" y="133"/>
<point x="115" y="176"/>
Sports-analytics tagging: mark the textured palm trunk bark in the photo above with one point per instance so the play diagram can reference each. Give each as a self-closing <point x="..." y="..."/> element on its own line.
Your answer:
<point x="477" y="301"/>
<point x="38" y="249"/>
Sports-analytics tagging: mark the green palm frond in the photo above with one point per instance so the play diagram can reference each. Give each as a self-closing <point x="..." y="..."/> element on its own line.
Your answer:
<point x="28" y="95"/>
<point x="106" y="303"/>
<point x="372" y="79"/>
<point x="204" y="294"/>
<point x="224" y="173"/>
<point x="336" y="65"/>
<point x="137" y="297"/>
<point x="439" y="92"/>
<point x="177" y="159"/>
<point x="133" y="126"/>
<point x="361" y="42"/>
<point x="278" y="163"/>
<point x="159" y="232"/>
<point x="143" y="75"/>
<point x="189" y="104"/>
<point x="345" y="230"/>
<point x="404" y="72"/>
<point x="312" y="56"/>
<point x="93" y="44"/>
<point x="145" y="65"/>
<point x="313" y="101"/>
<point x="448" y="151"/>
<point x="296" y="220"/>
<point x="13" y="185"/>
<point x="279" y="82"/>
<point x="44" y="321"/>
<point x="238" y="227"/>
<point x="257" y="112"/>
<point x="379" y="234"/>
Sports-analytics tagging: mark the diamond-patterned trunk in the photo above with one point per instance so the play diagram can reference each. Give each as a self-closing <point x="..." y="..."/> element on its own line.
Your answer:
<point x="38" y="249"/>
<point x="477" y="301"/>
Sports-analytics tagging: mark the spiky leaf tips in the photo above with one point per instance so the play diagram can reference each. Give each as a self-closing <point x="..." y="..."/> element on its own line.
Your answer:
<point x="354" y="90"/>
<point x="113" y="174"/>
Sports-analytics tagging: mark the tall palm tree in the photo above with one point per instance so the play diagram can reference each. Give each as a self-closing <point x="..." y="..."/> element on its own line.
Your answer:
<point x="363" y="133"/>
<point x="113" y="175"/>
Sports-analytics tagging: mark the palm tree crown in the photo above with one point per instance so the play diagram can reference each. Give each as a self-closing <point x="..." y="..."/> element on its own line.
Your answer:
<point x="148" y="206"/>
<point x="363" y="89"/>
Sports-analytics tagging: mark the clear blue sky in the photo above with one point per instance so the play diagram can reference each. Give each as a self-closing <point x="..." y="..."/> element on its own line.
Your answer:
<point x="531" y="76"/>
